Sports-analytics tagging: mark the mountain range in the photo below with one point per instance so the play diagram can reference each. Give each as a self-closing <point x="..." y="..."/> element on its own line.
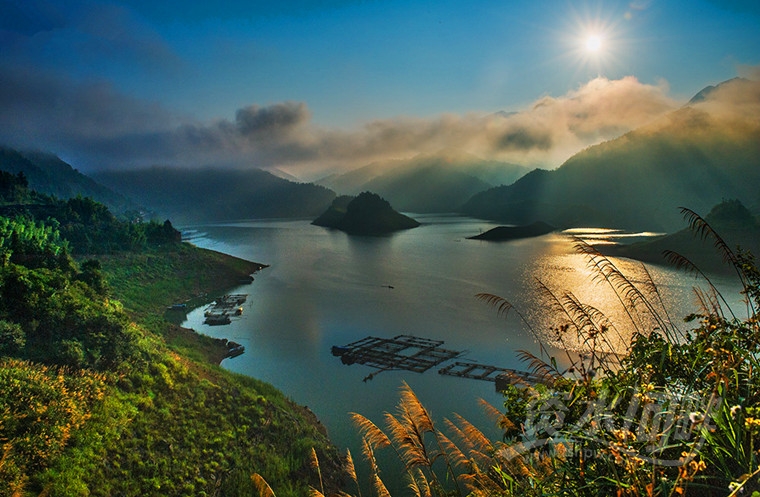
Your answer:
<point x="211" y="194"/>
<point x="694" y="157"/>
<point x="48" y="174"/>
<point x="440" y="182"/>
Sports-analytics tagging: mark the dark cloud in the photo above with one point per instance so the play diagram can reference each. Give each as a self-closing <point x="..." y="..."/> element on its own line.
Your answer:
<point x="273" y="120"/>
<point x="82" y="36"/>
<point x="30" y="17"/>
<point x="39" y="109"/>
<point x="525" y="139"/>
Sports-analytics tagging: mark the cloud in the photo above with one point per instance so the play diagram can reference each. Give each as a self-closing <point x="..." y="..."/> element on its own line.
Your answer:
<point x="524" y="138"/>
<point x="79" y="37"/>
<point x="749" y="72"/>
<point x="737" y="99"/>
<point x="274" y="120"/>
<point x="99" y="127"/>
<point x="44" y="108"/>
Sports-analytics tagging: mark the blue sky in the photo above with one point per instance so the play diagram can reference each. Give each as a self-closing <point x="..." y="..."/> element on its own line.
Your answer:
<point x="337" y="83"/>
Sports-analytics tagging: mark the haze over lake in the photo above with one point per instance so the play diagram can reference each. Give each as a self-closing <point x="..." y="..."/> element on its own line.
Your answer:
<point x="325" y="288"/>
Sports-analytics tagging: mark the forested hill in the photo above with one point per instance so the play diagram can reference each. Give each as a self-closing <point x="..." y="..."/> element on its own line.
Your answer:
<point x="212" y="194"/>
<point x="100" y="397"/>
<point x="365" y="214"/>
<point x="694" y="157"/>
<point x="48" y="174"/>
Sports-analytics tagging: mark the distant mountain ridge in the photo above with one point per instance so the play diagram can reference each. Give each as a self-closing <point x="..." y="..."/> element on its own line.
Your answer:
<point x="441" y="182"/>
<point x="211" y="194"/>
<point x="694" y="157"/>
<point x="48" y="174"/>
<point x="730" y="219"/>
<point x="707" y="91"/>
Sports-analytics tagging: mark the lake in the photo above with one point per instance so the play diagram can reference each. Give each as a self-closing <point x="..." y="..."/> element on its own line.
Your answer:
<point x="325" y="288"/>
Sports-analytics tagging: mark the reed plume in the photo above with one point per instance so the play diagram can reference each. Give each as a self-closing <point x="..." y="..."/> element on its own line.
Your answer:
<point x="261" y="485"/>
<point x="379" y="486"/>
<point x="498" y="417"/>
<point x="370" y="431"/>
<point x="419" y="484"/>
<point x="314" y="460"/>
<point x="351" y="470"/>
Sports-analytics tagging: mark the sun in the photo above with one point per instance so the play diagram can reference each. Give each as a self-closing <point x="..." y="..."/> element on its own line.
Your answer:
<point x="593" y="43"/>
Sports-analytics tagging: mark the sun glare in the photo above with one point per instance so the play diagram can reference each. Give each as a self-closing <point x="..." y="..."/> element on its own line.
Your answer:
<point x="594" y="40"/>
<point x="593" y="43"/>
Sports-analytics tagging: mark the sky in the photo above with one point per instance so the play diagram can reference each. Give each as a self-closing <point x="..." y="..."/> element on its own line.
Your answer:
<point x="312" y="87"/>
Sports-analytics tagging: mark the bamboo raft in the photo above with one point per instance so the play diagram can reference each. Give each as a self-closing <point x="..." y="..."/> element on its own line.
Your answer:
<point x="501" y="376"/>
<point x="402" y="352"/>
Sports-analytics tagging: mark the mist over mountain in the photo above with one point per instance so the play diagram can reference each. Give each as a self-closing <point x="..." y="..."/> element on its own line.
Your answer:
<point x="693" y="157"/>
<point x="48" y="174"/>
<point x="427" y="183"/>
<point x="210" y="194"/>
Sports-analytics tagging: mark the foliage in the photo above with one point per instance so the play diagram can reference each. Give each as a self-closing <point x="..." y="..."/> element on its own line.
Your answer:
<point x="32" y="244"/>
<point x="92" y="229"/>
<point x="87" y="226"/>
<point x="13" y="188"/>
<point x="92" y="403"/>
<point x="41" y="408"/>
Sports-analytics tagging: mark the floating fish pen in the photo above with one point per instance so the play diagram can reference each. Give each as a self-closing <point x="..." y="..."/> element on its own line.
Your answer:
<point x="402" y="352"/>
<point x="221" y="311"/>
<point x="501" y="376"/>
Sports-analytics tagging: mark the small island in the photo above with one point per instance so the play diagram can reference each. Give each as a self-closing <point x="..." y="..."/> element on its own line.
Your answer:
<point x="506" y="233"/>
<point x="366" y="214"/>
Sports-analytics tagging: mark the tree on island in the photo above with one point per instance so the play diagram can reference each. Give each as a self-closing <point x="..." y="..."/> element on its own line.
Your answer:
<point x="366" y="214"/>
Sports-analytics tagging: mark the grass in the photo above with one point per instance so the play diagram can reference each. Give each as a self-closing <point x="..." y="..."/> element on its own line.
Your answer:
<point x="148" y="283"/>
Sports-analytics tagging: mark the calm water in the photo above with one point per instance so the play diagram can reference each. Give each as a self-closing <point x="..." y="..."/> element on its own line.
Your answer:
<point x="326" y="288"/>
